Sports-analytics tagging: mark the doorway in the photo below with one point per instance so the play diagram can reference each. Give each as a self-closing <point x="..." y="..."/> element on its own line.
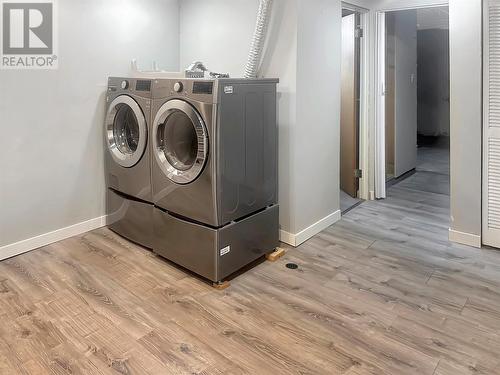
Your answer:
<point x="417" y="99"/>
<point x="350" y="171"/>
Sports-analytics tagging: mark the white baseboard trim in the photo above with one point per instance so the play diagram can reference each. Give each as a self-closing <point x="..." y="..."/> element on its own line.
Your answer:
<point x="45" y="239"/>
<point x="465" y="238"/>
<point x="301" y="237"/>
<point x="287" y="238"/>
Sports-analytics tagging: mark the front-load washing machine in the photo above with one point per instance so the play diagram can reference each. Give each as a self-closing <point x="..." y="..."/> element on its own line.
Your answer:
<point x="214" y="172"/>
<point x="128" y="159"/>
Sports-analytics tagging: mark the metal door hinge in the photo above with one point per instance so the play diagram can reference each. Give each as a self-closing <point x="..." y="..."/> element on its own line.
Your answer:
<point x="359" y="32"/>
<point x="358" y="173"/>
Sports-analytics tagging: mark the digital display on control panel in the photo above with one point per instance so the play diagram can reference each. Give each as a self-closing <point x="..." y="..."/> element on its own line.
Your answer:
<point x="203" y="87"/>
<point x="143" y="85"/>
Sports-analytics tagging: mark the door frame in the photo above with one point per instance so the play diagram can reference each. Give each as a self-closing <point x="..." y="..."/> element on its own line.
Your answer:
<point x="379" y="96"/>
<point x="485" y="233"/>
<point x="364" y="114"/>
<point x="380" y="92"/>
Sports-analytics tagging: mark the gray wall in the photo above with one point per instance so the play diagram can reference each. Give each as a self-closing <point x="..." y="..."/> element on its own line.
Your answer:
<point x="433" y="82"/>
<point x="51" y="154"/>
<point x="466" y="114"/>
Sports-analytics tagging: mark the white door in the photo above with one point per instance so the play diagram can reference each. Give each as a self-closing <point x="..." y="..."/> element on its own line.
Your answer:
<point x="349" y="115"/>
<point x="405" y="137"/>
<point x="491" y="126"/>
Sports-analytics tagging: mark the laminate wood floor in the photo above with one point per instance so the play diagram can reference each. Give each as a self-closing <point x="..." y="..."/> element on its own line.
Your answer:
<point x="380" y="292"/>
<point x="347" y="202"/>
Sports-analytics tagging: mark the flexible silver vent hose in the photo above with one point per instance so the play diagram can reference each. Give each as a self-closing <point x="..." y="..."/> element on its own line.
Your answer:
<point x="259" y="38"/>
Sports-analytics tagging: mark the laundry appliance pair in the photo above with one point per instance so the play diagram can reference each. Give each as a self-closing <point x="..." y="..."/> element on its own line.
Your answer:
<point x="192" y="169"/>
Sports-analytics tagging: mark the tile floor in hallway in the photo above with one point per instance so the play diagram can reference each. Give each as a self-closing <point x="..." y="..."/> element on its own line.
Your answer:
<point x="380" y="292"/>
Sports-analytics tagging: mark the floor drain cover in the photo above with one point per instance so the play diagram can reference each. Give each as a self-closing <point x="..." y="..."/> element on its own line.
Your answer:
<point x="292" y="266"/>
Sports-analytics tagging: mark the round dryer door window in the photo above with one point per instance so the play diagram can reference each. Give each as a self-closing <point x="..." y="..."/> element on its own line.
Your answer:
<point x="180" y="141"/>
<point x="126" y="131"/>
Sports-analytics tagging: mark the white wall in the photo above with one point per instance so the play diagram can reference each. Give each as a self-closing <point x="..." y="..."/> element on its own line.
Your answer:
<point x="222" y="45"/>
<point x="52" y="149"/>
<point x="51" y="154"/>
<point x="466" y="119"/>
<point x="465" y="112"/>
<point x="225" y="46"/>
<point x="317" y="134"/>
<point x="402" y="4"/>
<point x="200" y="39"/>
<point x="303" y="44"/>
<point x="405" y="129"/>
<point x="280" y="60"/>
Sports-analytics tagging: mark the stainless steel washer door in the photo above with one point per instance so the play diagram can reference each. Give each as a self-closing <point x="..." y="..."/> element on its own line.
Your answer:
<point x="180" y="141"/>
<point x="126" y="131"/>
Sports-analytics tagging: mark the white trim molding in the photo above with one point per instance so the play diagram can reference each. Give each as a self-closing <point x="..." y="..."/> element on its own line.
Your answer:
<point x="380" y="92"/>
<point x="301" y="237"/>
<point x="465" y="238"/>
<point x="45" y="239"/>
<point x="353" y="7"/>
<point x="364" y="112"/>
<point x="411" y="5"/>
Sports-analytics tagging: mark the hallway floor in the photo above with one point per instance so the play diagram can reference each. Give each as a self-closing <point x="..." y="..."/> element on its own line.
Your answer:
<point x="380" y="292"/>
<point x="347" y="202"/>
<point x="432" y="174"/>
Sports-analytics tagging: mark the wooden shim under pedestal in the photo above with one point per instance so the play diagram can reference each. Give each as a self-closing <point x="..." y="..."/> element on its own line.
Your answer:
<point x="276" y="254"/>
<point x="222" y="285"/>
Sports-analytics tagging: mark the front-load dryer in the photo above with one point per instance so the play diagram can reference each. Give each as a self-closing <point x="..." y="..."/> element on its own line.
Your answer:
<point x="214" y="172"/>
<point x="128" y="159"/>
